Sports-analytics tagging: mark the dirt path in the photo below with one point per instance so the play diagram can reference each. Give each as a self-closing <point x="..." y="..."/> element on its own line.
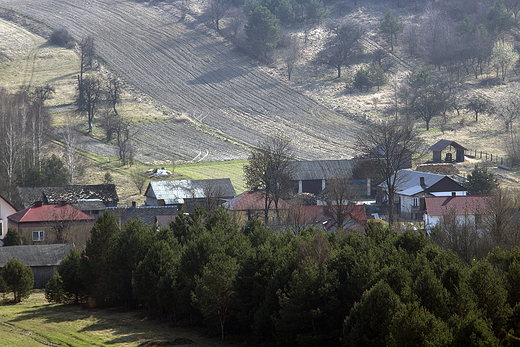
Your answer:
<point x="191" y="70"/>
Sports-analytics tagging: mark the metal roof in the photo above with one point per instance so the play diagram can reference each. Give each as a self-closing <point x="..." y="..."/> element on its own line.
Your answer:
<point x="174" y="192"/>
<point x="321" y="169"/>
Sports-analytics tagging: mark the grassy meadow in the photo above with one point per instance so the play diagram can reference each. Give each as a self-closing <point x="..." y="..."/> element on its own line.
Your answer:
<point x="35" y="322"/>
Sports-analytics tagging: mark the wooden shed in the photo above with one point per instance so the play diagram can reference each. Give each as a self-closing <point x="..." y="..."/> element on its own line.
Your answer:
<point x="441" y="145"/>
<point x="42" y="259"/>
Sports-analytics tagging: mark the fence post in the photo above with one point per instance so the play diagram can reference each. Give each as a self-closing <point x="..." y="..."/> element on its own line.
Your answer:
<point x="480" y="154"/>
<point x="501" y="160"/>
<point x="486" y="156"/>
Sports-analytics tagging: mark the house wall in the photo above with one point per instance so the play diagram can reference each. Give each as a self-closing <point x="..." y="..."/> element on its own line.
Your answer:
<point x="241" y="217"/>
<point x="431" y="221"/>
<point x="77" y="233"/>
<point x="457" y="193"/>
<point x="42" y="274"/>
<point x="5" y="210"/>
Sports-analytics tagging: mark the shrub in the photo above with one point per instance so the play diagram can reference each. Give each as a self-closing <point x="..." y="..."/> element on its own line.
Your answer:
<point x="61" y="37"/>
<point x="54" y="291"/>
<point x="18" y="278"/>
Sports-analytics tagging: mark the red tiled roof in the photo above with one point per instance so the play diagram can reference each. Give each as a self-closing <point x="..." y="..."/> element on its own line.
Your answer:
<point x="469" y="204"/>
<point x="253" y="201"/>
<point x="49" y="213"/>
<point x="321" y="214"/>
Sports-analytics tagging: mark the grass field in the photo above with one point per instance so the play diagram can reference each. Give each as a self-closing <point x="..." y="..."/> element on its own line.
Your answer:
<point x="35" y="322"/>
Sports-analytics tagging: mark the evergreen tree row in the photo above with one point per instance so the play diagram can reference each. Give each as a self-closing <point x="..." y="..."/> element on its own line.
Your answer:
<point x="317" y="288"/>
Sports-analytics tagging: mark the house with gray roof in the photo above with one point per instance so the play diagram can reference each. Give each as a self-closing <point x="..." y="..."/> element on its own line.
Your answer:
<point x="147" y="214"/>
<point x="312" y="176"/>
<point x="42" y="259"/>
<point x="189" y="193"/>
<point x="413" y="186"/>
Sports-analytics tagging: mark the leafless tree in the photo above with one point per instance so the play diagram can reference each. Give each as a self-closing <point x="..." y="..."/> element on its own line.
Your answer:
<point x="343" y="43"/>
<point x="40" y="122"/>
<point x="502" y="206"/>
<point x="86" y="56"/>
<point x="69" y="138"/>
<point x="338" y="194"/>
<point x="389" y="146"/>
<point x="479" y="104"/>
<point x="429" y="101"/>
<point x="212" y="197"/>
<point x="507" y="105"/>
<point x="237" y="18"/>
<point x="138" y="179"/>
<point x="90" y="93"/>
<point x="124" y="137"/>
<point x="216" y="10"/>
<point x="291" y="54"/>
<point x="269" y="170"/>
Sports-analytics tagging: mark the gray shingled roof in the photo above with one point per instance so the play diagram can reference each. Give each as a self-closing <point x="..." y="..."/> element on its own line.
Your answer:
<point x="36" y="255"/>
<point x="71" y="194"/>
<point x="146" y="213"/>
<point x="90" y="205"/>
<point x="441" y="144"/>
<point x="174" y="192"/>
<point x="321" y="169"/>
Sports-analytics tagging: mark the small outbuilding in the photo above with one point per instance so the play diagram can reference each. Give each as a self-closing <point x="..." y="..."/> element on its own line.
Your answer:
<point x="441" y="145"/>
<point x="42" y="259"/>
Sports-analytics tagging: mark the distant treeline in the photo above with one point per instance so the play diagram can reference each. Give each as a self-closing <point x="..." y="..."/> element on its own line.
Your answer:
<point x="317" y="288"/>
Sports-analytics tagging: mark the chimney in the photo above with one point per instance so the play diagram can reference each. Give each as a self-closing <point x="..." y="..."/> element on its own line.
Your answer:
<point x="37" y="204"/>
<point x="133" y="204"/>
<point x="422" y="182"/>
<point x="63" y="203"/>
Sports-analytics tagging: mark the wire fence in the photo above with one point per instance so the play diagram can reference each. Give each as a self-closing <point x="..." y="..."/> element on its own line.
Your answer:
<point x="500" y="160"/>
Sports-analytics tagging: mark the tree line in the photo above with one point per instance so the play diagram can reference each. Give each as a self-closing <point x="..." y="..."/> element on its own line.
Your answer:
<point x="337" y="289"/>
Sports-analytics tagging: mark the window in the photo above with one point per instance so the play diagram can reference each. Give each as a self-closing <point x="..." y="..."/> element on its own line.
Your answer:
<point x="38" y="236"/>
<point x="415" y="202"/>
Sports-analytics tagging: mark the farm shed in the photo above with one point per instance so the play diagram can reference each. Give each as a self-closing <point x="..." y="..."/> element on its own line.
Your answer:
<point x="312" y="176"/>
<point x="441" y="145"/>
<point x="42" y="259"/>
<point x="189" y="193"/>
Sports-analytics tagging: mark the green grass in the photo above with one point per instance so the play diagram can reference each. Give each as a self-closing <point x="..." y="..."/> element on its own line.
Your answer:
<point x="35" y="322"/>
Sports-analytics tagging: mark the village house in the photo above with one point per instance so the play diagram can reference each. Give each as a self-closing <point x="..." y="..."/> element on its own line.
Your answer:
<point x="42" y="259"/>
<point x="413" y="187"/>
<point x="91" y="199"/>
<point x="189" y="193"/>
<point x="48" y="224"/>
<point x="468" y="210"/>
<point x="323" y="217"/>
<point x="251" y="205"/>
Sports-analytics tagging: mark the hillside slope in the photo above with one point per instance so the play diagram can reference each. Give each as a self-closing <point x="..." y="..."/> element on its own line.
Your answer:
<point x="194" y="72"/>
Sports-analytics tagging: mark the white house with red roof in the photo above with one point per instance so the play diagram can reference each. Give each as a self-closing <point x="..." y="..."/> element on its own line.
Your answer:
<point x="47" y="224"/>
<point x="467" y="209"/>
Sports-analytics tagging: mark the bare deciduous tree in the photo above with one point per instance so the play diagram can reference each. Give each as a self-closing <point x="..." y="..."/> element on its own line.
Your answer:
<point x="269" y="170"/>
<point x="138" y="179"/>
<point x="389" y="147"/>
<point x="479" y="104"/>
<point x="291" y="54"/>
<point x="216" y="10"/>
<point x="339" y="194"/>
<point x="343" y="43"/>
<point x="90" y="93"/>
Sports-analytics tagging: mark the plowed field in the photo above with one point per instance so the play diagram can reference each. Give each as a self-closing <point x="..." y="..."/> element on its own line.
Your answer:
<point x="192" y="71"/>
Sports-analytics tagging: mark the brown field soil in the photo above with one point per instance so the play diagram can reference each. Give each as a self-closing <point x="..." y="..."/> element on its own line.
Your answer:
<point x="187" y="68"/>
<point x="192" y="71"/>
